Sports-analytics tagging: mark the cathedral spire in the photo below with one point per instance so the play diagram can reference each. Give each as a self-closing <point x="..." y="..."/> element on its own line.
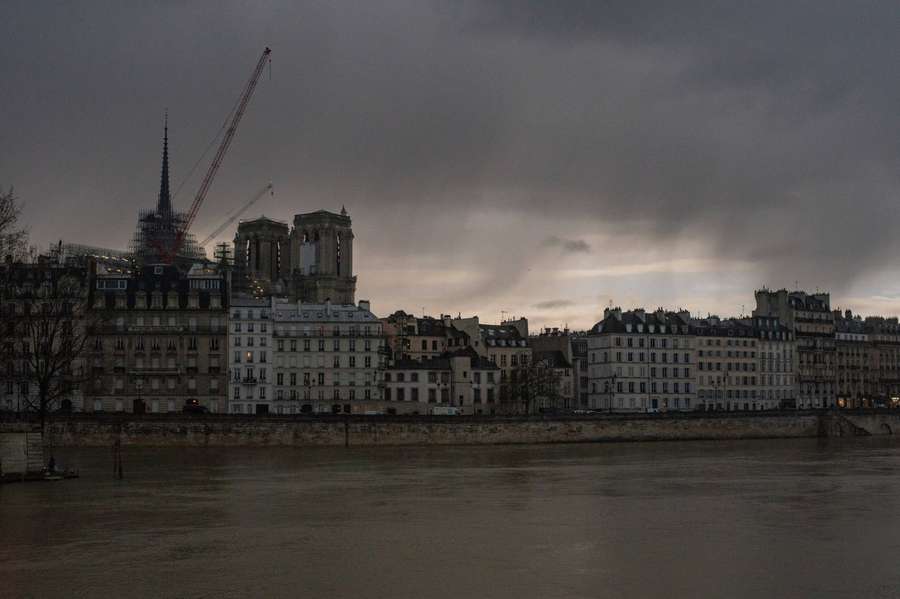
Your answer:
<point x="164" y="205"/>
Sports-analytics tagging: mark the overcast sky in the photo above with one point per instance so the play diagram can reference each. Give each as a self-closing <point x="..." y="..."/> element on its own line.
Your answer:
<point x="542" y="158"/>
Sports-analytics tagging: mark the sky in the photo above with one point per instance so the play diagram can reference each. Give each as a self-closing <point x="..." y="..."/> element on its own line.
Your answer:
<point x="517" y="157"/>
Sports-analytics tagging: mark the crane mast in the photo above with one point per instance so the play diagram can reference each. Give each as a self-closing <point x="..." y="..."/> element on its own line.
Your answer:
<point x="246" y="94"/>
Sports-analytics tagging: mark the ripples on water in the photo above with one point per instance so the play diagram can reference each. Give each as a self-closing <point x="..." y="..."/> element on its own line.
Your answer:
<point x="739" y="519"/>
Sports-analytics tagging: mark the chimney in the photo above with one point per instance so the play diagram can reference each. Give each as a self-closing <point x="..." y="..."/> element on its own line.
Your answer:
<point x="364" y="305"/>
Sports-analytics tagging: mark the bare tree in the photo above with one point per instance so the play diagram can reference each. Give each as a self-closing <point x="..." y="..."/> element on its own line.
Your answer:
<point x="531" y="386"/>
<point x="13" y="237"/>
<point x="46" y="333"/>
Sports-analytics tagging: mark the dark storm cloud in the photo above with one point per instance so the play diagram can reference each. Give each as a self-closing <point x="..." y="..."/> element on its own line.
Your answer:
<point x="569" y="246"/>
<point x="554" y="304"/>
<point x="469" y="133"/>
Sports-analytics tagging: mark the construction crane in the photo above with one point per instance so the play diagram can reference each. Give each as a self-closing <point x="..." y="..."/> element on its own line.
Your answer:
<point x="168" y="254"/>
<point x="240" y="211"/>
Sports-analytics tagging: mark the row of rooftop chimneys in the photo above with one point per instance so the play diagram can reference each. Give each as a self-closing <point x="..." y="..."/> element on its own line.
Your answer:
<point x="641" y="314"/>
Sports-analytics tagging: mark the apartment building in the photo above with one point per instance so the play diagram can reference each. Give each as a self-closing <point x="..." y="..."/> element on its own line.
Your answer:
<point x="252" y="349"/>
<point x="743" y="364"/>
<point x="642" y="362"/>
<point x="324" y="358"/>
<point x="777" y="362"/>
<point x="410" y="338"/>
<point x="506" y="345"/>
<point x="811" y="320"/>
<point x="460" y="382"/>
<point x="163" y="339"/>
<point x="37" y="299"/>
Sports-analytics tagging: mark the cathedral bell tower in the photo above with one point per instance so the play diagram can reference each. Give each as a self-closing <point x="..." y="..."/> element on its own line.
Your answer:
<point x="321" y="245"/>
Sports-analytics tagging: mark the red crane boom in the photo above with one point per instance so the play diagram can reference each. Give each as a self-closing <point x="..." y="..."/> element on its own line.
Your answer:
<point x="220" y="154"/>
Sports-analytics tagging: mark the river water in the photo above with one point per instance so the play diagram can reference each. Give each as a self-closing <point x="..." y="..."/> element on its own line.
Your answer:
<point x="792" y="518"/>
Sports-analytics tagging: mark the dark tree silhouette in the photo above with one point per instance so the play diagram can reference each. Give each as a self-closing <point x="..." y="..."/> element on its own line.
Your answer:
<point x="46" y="330"/>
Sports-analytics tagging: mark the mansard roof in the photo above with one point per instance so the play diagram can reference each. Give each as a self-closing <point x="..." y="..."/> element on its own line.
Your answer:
<point x="553" y="358"/>
<point x="639" y="321"/>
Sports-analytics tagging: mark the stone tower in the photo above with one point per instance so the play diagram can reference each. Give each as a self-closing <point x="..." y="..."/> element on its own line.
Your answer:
<point x="262" y="256"/>
<point x="321" y="258"/>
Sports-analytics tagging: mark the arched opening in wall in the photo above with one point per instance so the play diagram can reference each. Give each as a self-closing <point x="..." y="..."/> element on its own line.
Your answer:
<point x="337" y="254"/>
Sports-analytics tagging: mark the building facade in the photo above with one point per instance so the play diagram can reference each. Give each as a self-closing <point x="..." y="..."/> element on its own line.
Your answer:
<point x="42" y="332"/>
<point x="410" y="338"/>
<point x="163" y="341"/>
<point x="251" y="349"/>
<point x="777" y="362"/>
<point x="810" y="318"/>
<point x="642" y="362"/>
<point x="460" y="382"/>
<point x="743" y="364"/>
<point x="506" y="345"/>
<point x="322" y="358"/>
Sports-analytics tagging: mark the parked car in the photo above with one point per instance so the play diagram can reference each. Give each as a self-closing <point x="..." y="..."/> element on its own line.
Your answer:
<point x="193" y="406"/>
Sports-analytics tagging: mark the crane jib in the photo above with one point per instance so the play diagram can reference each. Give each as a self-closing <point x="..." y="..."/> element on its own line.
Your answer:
<point x="246" y="94"/>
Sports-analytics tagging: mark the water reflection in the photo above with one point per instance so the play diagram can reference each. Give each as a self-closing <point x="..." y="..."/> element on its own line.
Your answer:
<point x="779" y="518"/>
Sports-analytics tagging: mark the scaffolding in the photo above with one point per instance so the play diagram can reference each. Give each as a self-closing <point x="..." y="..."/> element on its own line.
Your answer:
<point x="156" y="235"/>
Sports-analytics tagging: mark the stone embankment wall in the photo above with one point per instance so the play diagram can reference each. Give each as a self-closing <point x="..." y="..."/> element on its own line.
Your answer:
<point x="247" y="431"/>
<point x="21" y="451"/>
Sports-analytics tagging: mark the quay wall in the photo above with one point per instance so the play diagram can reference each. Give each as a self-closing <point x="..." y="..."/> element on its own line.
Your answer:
<point x="21" y="451"/>
<point x="179" y="430"/>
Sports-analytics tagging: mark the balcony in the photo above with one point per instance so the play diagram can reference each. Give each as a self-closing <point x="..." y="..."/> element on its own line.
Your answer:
<point x="153" y="370"/>
<point x="248" y="380"/>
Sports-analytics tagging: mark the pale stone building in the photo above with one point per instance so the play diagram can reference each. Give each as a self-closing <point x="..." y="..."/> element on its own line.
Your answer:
<point x="642" y="362"/>
<point x="810" y="318"/>
<point x="462" y="381"/>
<point x="251" y="349"/>
<point x="743" y="364"/>
<point x="411" y="338"/>
<point x="327" y="358"/>
<point x="867" y="361"/>
<point x="507" y="346"/>
<point x="777" y="362"/>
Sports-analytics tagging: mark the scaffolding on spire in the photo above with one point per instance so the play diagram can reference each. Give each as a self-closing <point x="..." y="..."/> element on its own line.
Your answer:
<point x="158" y="229"/>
